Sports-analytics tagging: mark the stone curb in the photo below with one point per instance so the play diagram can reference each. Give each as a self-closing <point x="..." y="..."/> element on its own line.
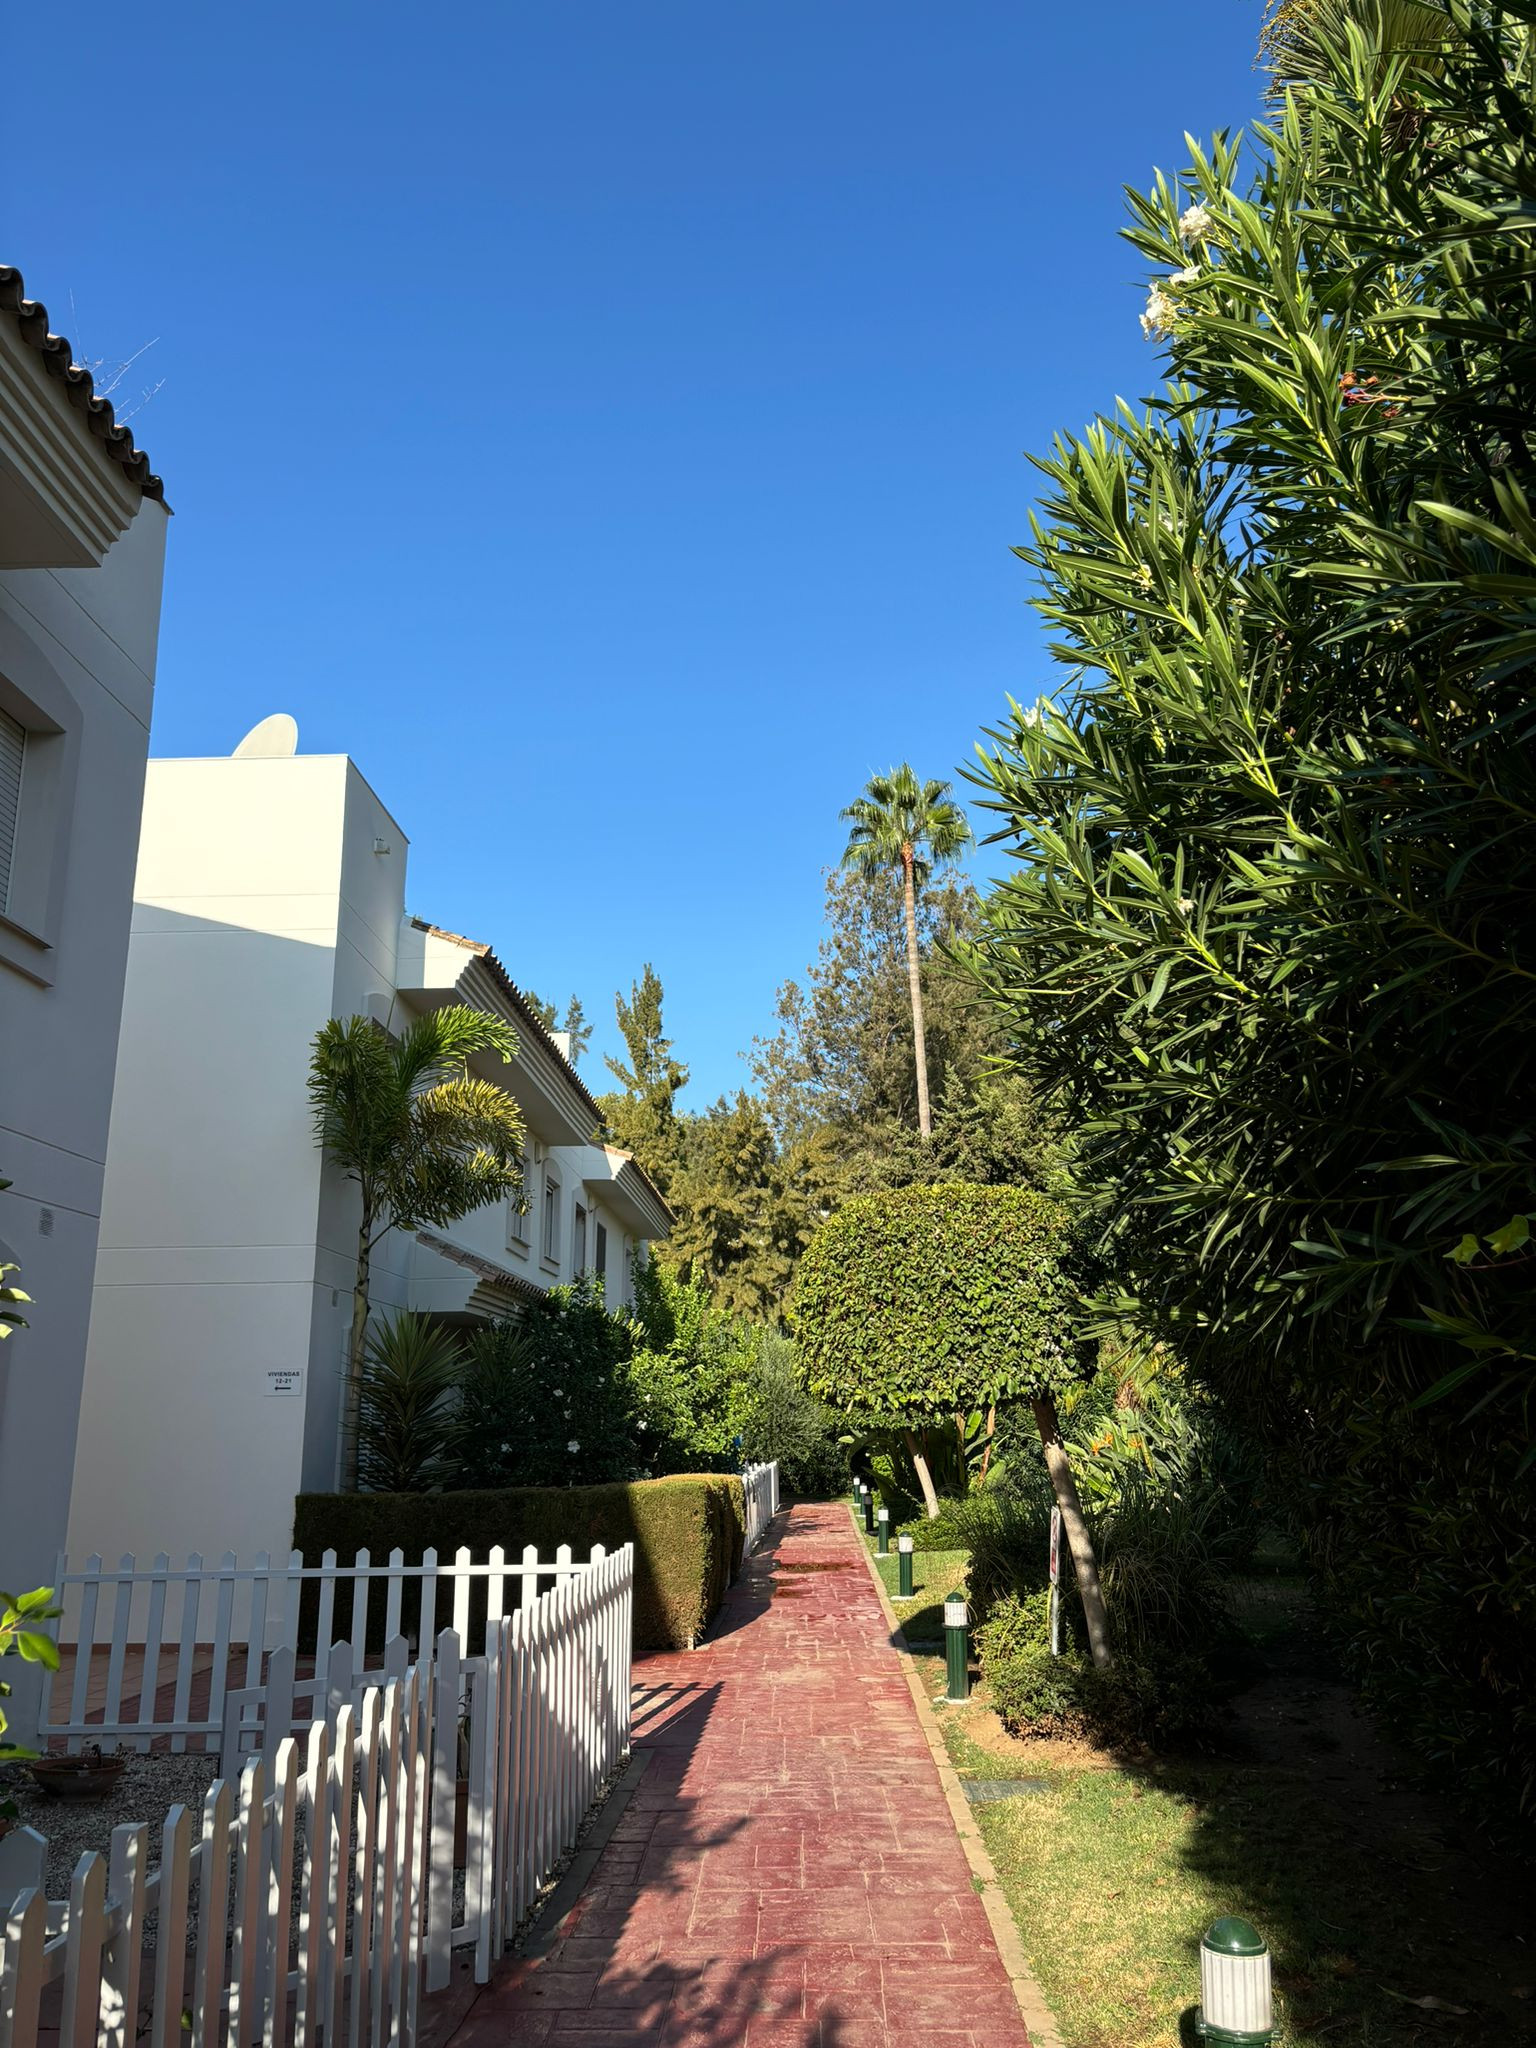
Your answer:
<point x="1043" y="2031"/>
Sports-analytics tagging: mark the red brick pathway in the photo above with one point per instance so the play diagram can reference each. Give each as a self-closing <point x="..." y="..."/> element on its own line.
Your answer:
<point x="787" y="1873"/>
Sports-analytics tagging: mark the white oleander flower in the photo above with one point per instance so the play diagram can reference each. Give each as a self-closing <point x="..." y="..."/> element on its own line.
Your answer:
<point x="1185" y="276"/>
<point x="557" y="1393"/>
<point x="1194" y="225"/>
<point x="1160" y="315"/>
<point x="573" y="1447"/>
<point x="1186" y="905"/>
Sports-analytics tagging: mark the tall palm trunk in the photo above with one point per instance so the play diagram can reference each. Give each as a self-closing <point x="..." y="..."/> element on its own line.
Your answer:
<point x="1079" y="1542"/>
<point x="914" y="978"/>
<point x="357" y="1344"/>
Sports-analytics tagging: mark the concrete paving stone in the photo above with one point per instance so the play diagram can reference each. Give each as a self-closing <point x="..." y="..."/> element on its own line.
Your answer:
<point x="787" y="1872"/>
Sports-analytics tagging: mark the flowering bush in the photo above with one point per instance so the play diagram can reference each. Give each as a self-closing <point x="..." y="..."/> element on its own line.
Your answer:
<point x="547" y="1401"/>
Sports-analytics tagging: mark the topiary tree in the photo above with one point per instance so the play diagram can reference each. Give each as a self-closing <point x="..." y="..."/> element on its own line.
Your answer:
<point x="929" y="1302"/>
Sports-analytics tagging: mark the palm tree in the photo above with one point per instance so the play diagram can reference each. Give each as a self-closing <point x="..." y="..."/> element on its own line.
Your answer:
<point x="426" y="1141"/>
<point x="901" y="821"/>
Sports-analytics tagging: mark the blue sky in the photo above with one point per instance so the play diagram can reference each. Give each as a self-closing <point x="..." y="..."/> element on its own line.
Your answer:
<point x="607" y="422"/>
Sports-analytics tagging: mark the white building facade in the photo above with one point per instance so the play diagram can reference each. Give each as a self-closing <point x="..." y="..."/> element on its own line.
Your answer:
<point x="270" y="897"/>
<point x="82" y="548"/>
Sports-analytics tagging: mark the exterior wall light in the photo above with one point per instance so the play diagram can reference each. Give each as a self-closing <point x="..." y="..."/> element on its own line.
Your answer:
<point x="957" y="1649"/>
<point x="1236" y="2010"/>
<point x="904" y="1567"/>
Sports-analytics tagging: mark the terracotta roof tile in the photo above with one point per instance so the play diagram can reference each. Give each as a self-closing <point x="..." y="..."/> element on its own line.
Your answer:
<point x="31" y="316"/>
<point x="519" y="1001"/>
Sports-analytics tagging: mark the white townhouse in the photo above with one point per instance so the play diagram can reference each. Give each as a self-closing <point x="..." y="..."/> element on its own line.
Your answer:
<point x="270" y="896"/>
<point x="82" y="549"/>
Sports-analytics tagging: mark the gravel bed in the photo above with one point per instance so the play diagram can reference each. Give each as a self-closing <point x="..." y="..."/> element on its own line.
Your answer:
<point x="149" y="1787"/>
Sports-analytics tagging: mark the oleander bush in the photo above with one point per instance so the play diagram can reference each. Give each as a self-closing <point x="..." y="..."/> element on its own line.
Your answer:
<point x="1265" y="943"/>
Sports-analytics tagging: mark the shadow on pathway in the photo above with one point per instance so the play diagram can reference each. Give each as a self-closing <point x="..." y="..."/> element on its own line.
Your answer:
<point x="786" y="1874"/>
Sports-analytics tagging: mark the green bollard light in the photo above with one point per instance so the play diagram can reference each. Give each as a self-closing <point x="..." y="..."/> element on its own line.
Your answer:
<point x="1236" y="2009"/>
<point x="904" y="1567"/>
<point x="883" y="1532"/>
<point x="957" y="1649"/>
<point x="869" y="1512"/>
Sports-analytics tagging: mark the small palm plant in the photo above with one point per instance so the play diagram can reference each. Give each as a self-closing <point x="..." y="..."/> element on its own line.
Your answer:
<point x="425" y="1140"/>
<point x="406" y="1407"/>
<point x="901" y="822"/>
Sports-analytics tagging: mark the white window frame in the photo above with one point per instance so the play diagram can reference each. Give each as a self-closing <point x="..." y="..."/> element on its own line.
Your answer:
<point x="549" y="1243"/>
<point x="519" y="1209"/>
<point x="579" y="1221"/>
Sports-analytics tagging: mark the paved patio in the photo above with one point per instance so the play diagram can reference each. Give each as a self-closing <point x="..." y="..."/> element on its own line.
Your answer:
<point x="787" y="1873"/>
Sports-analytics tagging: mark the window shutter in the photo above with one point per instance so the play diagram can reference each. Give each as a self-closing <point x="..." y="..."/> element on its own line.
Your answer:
<point x="13" y="747"/>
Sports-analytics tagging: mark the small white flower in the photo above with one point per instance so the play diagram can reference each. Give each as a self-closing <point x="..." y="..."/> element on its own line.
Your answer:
<point x="1160" y="316"/>
<point x="1185" y="276"/>
<point x="1194" y="225"/>
<point x="573" y="1447"/>
<point x="506" y="1447"/>
<point x="1186" y="905"/>
<point x="1036" y="713"/>
<point x="557" y="1393"/>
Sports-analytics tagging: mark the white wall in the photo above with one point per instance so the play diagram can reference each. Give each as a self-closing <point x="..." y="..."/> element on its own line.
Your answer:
<point x="91" y="635"/>
<point x="224" y="1237"/>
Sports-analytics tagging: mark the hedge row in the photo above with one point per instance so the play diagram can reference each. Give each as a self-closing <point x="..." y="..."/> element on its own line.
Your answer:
<point x="688" y="1534"/>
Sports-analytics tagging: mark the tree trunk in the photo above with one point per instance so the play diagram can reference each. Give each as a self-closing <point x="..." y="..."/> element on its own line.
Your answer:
<point x="351" y="1393"/>
<point x="914" y="978"/>
<point x="1059" y="1465"/>
<point x="986" y="1456"/>
<point x="924" y="1476"/>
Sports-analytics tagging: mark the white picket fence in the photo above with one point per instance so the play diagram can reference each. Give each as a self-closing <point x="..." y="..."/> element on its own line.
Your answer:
<point x="172" y="1642"/>
<point x="322" y="1880"/>
<point x="760" y="1483"/>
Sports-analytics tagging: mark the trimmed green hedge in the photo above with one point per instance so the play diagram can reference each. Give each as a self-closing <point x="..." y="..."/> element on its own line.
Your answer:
<point x="689" y="1533"/>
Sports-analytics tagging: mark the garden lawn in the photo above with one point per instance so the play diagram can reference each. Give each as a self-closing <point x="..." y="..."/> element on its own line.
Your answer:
<point x="935" y="1575"/>
<point x="1111" y="1875"/>
<point x="1115" y="1868"/>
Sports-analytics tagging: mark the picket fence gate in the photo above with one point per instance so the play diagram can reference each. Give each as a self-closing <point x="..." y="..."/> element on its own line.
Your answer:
<point x="177" y="1640"/>
<point x="322" y="1880"/>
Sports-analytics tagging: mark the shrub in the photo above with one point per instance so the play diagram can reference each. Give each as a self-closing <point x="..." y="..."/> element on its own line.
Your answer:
<point x="546" y="1401"/>
<point x="1038" y="1694"/>
<point x="1018" y="1622"/>
<point x="688" y="1374"/>
<point x="1159" y="1701"/>
<point x="688" y="1534"/>
<point x="784" y="1421"/>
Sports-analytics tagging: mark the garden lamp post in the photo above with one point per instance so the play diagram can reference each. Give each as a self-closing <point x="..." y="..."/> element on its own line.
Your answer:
<point x="1235" y="2005"/>
<point x="957" y="1649"/>
<point x="883" y="1531"/>
<point x="904" y="1567"/>
<point x="869" y="1512"/>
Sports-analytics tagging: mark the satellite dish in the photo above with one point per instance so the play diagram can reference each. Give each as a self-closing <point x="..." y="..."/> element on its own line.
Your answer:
<point x="275" y="739"/>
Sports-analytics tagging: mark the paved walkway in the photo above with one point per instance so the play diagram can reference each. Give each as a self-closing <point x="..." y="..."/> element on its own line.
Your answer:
<point x="787" y="1873"/>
